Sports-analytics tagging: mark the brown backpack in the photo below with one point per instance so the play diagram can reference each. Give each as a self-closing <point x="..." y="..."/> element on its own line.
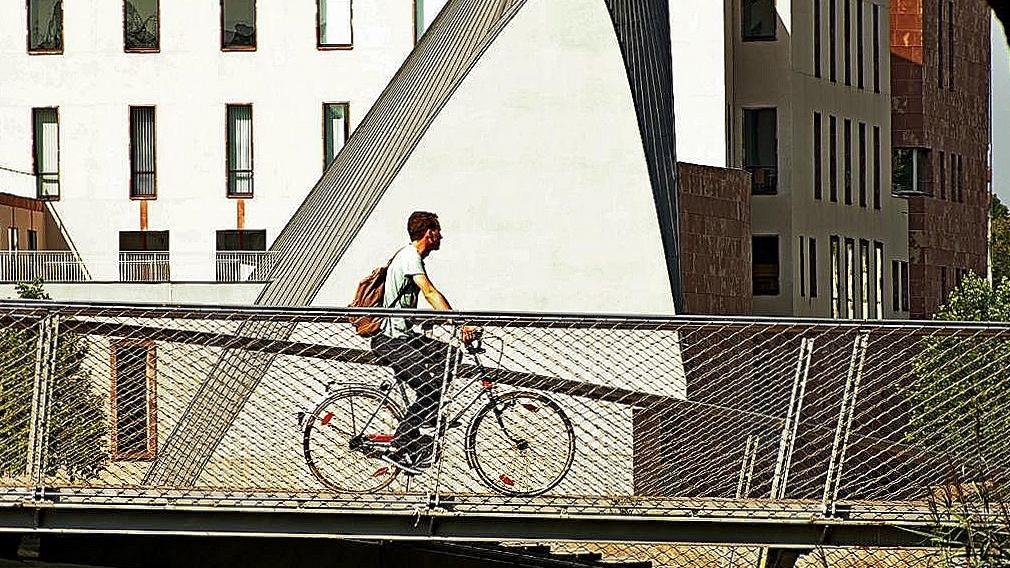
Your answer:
<point x="369" y="295"/>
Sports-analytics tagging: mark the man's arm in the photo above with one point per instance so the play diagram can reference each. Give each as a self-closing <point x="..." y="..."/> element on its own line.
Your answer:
<point x="438" y="301"/>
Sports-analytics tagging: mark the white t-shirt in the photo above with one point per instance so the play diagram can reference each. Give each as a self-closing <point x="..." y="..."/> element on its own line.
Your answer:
<point x="406" y="264"/>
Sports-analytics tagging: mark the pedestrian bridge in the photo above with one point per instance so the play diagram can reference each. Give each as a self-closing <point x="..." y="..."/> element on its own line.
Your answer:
<point x="195" y="420"/>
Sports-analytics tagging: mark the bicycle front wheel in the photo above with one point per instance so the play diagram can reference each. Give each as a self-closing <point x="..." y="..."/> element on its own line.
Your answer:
<point x="344" y="437"/>
<point x="521" y="444"/>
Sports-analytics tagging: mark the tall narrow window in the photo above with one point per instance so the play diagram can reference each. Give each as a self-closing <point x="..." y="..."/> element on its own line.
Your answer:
<point x="864" y="277"/>
<point x="940" y="60"/>
<point x="950" y="45"/>
<point x="878" y="279"/>
<point x="424" y="14"/>
<point x="803" y="269"/>
<point x="862" y="164"/>
<point x="812" y="254"/>
<point x="876" y="167"/>
<point x="760" y="150"/>
<point x="13" y="241"/>
<point x="817" y="156"/>
<point x="847" y="166"/>
<point x="960" y="178"/>
<point x="953" y="178"/>
<point x="876" y="48"/>
<point x="833" y="158"/>
<point x="833" y="40"/>
<point x="847" y="34"/>
<point x="850" y="279"/>
<point x="335" y="130"/>
<point x="836" y="277"/>
<point x="895" y="286"/>
<point x="240" y="151"/>
<point x="33" y="239"/>
<point x="45" y="26"/>
<point x="140" y="25"/>
<point x="860" y="51"/>
<point x="143" y="183"/>
<point x="943" y="285"/>
<point x="133" y="420"/>
<point x="817" y="38"/>
<point x="765" y="265"/>
<point x="238" y="24"/>
<point x="904" y="285"/>
<point x="334" y="23"/>
<point x="942" y="178"/>
<point x="46" y="140"/>
<point x="758" y="20"/>
<point x="908" y="171"/>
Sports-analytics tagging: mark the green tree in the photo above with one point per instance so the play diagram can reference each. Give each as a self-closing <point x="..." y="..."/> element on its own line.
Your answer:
<point x="77" y="431"/>
<point x="999" y="239"/>
<point x="960" y="392"/>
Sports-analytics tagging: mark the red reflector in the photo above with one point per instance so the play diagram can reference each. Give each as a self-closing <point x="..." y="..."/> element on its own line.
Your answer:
<point x="326" y="419"/>
<point x="531" y="407"/>
<point x="506" y="480"/>
<point x="381" y="438"/>
<point x="487" y="384"/>
<point x="380" y="472"/>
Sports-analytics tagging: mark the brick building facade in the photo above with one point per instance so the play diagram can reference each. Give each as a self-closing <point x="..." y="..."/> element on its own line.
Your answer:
<point x="940" y="59"/>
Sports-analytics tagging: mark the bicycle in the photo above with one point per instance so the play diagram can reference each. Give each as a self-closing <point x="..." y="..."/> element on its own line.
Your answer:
<point x="520" y="443"/>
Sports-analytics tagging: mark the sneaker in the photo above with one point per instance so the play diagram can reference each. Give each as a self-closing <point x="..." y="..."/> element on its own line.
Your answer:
<point x="401" y="461"/>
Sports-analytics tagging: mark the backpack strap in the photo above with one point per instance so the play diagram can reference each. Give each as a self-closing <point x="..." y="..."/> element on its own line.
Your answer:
<point x="403" y="289"/>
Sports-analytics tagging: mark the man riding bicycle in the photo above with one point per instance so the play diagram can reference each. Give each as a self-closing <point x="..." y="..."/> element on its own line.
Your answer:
<point x="416" y="359"/>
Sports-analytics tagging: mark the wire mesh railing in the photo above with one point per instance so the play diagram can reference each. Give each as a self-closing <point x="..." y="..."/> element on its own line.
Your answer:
<point x="556" y="415"/>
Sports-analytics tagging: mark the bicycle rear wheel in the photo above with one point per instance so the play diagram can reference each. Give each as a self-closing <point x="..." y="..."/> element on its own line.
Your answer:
<point x="522" y="444"/>
<point x="340" y="451"/>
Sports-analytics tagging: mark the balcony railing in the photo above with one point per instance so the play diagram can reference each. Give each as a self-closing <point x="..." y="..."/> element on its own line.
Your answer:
<point x="144" y="267"/>
<point x="240" y="266"/>
<point x="764" y="180"/>
<point x="50" y="266"/>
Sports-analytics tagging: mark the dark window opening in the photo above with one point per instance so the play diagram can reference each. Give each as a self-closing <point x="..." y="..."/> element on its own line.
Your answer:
<point x="761" y="150"/>
<point x="860" y="64"/>
<point x="833" y="40"/>
<point x="142" y="153"/>
<point x="909" y="171"/>
<point x="833" y="159"/>
<point x="143" y="256"/>
<point x="759" y="20"/>
<point x="242" y="240"/>
<point x="238" y="24"/>
<point x="876" y="48"/>
<point x="876" y="167"/>
<point x="812" y="251"/>
<point x="818" y="182"/>
<point x="862" y="164"/>
<point x="33" y="239"/>
<point x="803" y="269"/>
<point x="942" y="178"/>
<point x="140" y="25"/>
<point x="847" y="166"/>
<point x="940" y="62"/>
<point x="45" y="26"/>
<point x="847" y="34"/>
<point x="817" y="38"/>
<point x="765" y="254"/>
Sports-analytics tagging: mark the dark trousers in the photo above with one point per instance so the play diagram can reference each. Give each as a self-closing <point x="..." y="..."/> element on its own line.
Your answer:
<point x="419" y="361"/>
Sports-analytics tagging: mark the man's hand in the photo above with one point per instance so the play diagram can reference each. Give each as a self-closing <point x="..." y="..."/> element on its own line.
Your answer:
<point x="470" y="333"/>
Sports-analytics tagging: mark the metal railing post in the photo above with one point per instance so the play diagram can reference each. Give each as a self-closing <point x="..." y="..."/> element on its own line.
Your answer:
<point x="790" y="426"/>
<point x="844" y="426"/>
<point x="45" y="360"/>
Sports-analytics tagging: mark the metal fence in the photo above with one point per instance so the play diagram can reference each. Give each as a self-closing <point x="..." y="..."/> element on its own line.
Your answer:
<point x="558" y="416"/>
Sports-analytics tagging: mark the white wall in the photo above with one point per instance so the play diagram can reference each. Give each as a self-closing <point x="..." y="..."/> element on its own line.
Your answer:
<point x="190" y="81"/>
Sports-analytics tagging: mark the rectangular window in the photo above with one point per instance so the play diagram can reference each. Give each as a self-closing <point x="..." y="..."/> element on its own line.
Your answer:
<point x="143" y="183"/>
<point x="760" y="152"/>
<point x="862" y="164"/>
<point x="876" y="167"/>
<point x="143" y="256"/>
<point x="241" y="254"/>
<point x="46" y="141"/>
<point x="13" y="242"/>
<point x="812" y="254"/>
<point x="240" y="151"/>
<point x="33" y="239"/>
<point x="904" y="286"/>
<point x="817" y="38"/>
<point x="836" y="277"/>
<point x="334" y="27"/>
<point x="895" y="285"/>
<point x="960" y="178"/>
<point x="847" y="34"/>
<point x="850" y="279"/>
<point x="140" y="25"/>
<point x="335" y="131"/>
<point x="45" y="26"/>
<point x="943" y="284"/>
<point x="878" y="279"/>
<point x="241" y="240"/>
<point x="817" y="156"/>
<point x="950" y="45"/>
<point x="238" y="25"/>
<point x="765" y="255"/>
<point x="908" y="174"/>
<point x="833" y="40"/>
<point x="759" y="20"/>
<point x="833" y="158"/>
<point x="940" y="61"/>
<point x="848" y="161"/>
<point x="860" y="51"/>
<point x="134" y="413"/>
<point x="803" y="271"/>
<point x="864" y="277"/>
<point x="876" y="48"/>
<point x="942" y="178"/>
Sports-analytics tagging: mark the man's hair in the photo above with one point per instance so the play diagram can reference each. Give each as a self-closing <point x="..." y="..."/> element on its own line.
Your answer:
<point x="419" y="223"/>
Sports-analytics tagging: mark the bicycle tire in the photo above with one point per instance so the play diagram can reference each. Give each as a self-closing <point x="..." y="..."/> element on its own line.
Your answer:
<point x="339" y="456"/>
<point x="533" y="456"/>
